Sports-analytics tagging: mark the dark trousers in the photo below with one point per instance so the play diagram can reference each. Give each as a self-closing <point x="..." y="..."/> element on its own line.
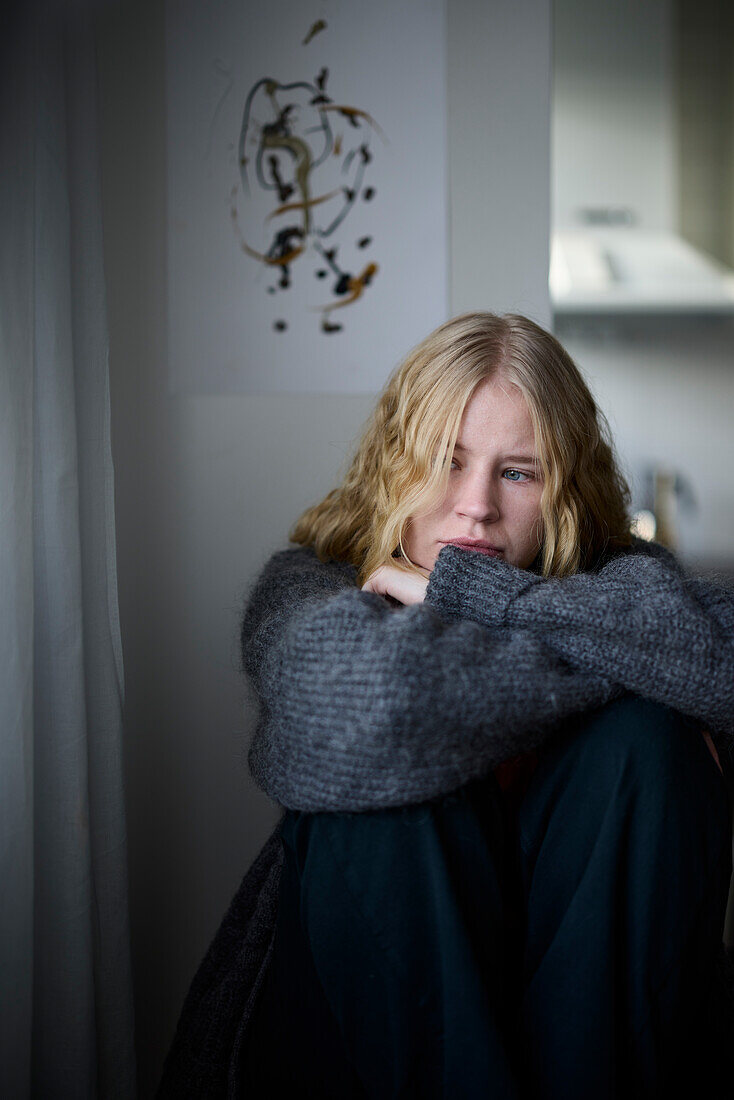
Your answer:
<point x="462" y="949"/>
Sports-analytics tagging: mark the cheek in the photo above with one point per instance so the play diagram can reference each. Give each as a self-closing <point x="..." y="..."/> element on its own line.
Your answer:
<point x="419" y="528"/>
<point x="436" y="514"/>
<point x="528" y="511"/>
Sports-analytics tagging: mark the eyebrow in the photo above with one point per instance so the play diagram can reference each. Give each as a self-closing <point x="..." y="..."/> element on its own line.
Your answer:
<point x="506" y="458"/>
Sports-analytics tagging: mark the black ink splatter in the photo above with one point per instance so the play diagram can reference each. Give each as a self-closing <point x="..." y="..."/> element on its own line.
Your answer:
<point x="285" y="190"/>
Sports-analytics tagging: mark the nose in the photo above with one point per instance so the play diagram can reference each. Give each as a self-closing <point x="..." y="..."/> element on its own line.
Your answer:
<point x="478" y="498"/>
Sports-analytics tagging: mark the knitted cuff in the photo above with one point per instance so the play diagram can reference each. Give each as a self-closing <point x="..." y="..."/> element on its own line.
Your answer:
<point x="467" y="585"/>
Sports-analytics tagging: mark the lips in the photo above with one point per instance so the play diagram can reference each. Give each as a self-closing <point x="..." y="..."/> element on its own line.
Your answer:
<point x="479" y="548"/>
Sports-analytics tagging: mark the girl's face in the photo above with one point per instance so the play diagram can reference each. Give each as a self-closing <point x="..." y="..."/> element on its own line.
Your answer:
<point x="494" y="488"/>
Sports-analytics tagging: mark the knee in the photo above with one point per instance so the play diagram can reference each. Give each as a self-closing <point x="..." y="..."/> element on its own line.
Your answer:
<point x="657" y="750"/>
<point x="360" y="841"/>
<point x="404" y="843"/>
<point x="652" y="737"/>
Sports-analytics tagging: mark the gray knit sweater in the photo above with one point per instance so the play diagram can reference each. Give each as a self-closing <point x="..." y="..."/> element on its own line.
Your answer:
<point x="364" y="704"/>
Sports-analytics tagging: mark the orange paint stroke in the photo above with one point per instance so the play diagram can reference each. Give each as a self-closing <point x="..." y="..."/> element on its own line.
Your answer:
<point x="351" y="112"/>
<point x="319" y="25"/>
<point x="356" y="286"/>
<point x="303" y="205"/>
<point x="278" y="261"/>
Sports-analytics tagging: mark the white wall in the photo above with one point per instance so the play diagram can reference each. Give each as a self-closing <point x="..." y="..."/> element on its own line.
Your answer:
<point x="206" y="487"/>
<point x="614" y="123"/>
<point x="499" y="88"/>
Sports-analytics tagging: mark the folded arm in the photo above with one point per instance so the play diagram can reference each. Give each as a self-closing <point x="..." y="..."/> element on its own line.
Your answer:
<point x="364" y="705"/>
<point x="641" y="619"/>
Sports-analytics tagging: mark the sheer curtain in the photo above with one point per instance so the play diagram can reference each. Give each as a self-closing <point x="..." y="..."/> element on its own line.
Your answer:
<point x="66" y="1026"/>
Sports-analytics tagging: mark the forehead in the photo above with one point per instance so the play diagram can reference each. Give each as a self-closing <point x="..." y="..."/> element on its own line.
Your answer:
<point x="497" y="417"/>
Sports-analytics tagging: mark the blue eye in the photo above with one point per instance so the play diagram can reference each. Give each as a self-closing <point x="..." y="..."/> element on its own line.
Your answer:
<point x="508" y="471"/>
<point x="527" y="477"/>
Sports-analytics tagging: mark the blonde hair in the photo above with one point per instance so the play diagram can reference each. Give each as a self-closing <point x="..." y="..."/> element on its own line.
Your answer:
<point x="395" y="472"/>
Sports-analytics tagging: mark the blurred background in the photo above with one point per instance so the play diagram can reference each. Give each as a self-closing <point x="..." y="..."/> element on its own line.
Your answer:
<point x="642" y="246"/>
<point x="584" y="165"/>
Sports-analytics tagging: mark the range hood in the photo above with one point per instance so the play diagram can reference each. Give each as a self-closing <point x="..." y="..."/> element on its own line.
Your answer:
<point x="623" y="269"/>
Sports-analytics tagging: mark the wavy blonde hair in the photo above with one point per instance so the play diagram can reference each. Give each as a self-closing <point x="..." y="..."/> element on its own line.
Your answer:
<point x="394" y="473"/>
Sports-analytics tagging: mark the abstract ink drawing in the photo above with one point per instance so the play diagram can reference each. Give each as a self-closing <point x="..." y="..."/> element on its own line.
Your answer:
<point x="300" y="182"/>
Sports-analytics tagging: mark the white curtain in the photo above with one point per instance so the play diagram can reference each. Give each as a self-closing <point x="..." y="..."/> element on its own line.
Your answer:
<point x="66" y="1022"/>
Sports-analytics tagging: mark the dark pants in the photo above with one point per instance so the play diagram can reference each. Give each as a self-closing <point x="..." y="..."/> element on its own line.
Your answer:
<point x="460" y="949"/>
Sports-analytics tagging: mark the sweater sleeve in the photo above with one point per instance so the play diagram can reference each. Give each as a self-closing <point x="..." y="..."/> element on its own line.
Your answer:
<point x="366" y="705"/>
<point x="641" y="619"/>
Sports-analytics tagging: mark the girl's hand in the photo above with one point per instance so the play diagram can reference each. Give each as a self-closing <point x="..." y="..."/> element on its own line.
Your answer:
<point x="404" y="587"/>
